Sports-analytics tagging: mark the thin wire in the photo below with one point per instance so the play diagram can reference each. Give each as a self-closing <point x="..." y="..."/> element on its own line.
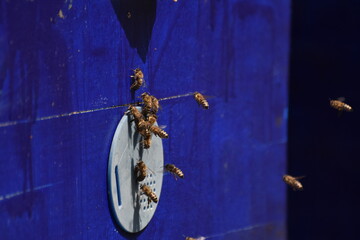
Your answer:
<point x="12" y="123"/>
<point x="236" y="230"/>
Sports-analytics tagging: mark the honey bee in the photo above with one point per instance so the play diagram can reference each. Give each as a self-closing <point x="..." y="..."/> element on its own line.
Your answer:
<point x="174" y="170"/>
<point x="340" y="105"/>
<point x="200" y="99"/>
<point x="158" y="132"/>
<point x="140" y="171"/>
<point x="149" y="193"/>
<point x="293" y="182"/>
<point x="138" y="79"/>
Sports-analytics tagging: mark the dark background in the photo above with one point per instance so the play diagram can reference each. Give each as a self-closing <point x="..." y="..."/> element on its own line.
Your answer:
<point x="322" y="145"/>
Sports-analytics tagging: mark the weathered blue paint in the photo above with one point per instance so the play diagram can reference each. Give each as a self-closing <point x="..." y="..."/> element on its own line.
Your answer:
<point x="53" y="171"/>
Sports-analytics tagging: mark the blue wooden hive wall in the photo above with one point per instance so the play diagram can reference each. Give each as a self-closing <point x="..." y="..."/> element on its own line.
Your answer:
<point x="59" y="58"/>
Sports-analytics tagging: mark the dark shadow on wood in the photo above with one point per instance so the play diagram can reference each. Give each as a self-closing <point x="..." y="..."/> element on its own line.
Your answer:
<point x="137" y="18"/>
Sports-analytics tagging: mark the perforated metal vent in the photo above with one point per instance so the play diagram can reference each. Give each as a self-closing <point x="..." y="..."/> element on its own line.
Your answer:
<point x="129" y="205"/>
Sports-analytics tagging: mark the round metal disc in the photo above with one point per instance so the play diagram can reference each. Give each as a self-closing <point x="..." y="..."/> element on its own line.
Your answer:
<point x="129" y="205"/>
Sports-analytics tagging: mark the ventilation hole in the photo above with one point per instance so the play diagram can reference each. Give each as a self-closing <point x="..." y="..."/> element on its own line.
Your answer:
<point x="117" y="178"/>
<point x="147" y="207"/>
<point x="151" y="206"/>
<point x="147" y="183"/>
<point x="144" y="208"/>
<point x="150" y="175"/>
<point x="154" y="181"/>
<point x="154" y="189"/>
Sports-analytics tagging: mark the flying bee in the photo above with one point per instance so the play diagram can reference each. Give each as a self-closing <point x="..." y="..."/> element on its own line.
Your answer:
<point x="174" y="170"/>
<point x="293" y="182"/>
<point x="339" y="105"/>
<point x="152" y="119"/>
<point x="140" y="171"/>
<point x="138" y="79"/>
<point x="158" y="132"/>
<point x="149" y="193"/>
<point x="200" y="99"/>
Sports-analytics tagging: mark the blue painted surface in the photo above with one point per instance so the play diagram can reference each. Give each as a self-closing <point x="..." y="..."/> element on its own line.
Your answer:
<point x="53" y="171"/>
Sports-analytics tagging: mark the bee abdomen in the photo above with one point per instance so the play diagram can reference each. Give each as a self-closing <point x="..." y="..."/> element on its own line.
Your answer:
<point x="200" y="99"/>
<point x="140" y="175"/>
<point x="174" y="170"/>
<point x="205" y="104"/>
<point x="147" y="142"/>
<point x="155" y="103"/>
<point x="179" y="173"/>
<point x="298" y="186"/>
<point x="152" y="119"/>
<point x="159" y="132"/>
<point x="137" y="84"/>
<point x="347" y="108"/>
<point x="153" y="197"/>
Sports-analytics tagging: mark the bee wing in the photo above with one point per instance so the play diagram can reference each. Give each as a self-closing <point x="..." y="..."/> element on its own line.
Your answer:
<point x="208" y="97"/>
<point x="298" y="178"/>
<point x="163" y="171"/>
<point x="162" y="126"/>
<point x="341" y="99"/>
<point x="151" y="171"/>
<point x="205" y="95"/>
